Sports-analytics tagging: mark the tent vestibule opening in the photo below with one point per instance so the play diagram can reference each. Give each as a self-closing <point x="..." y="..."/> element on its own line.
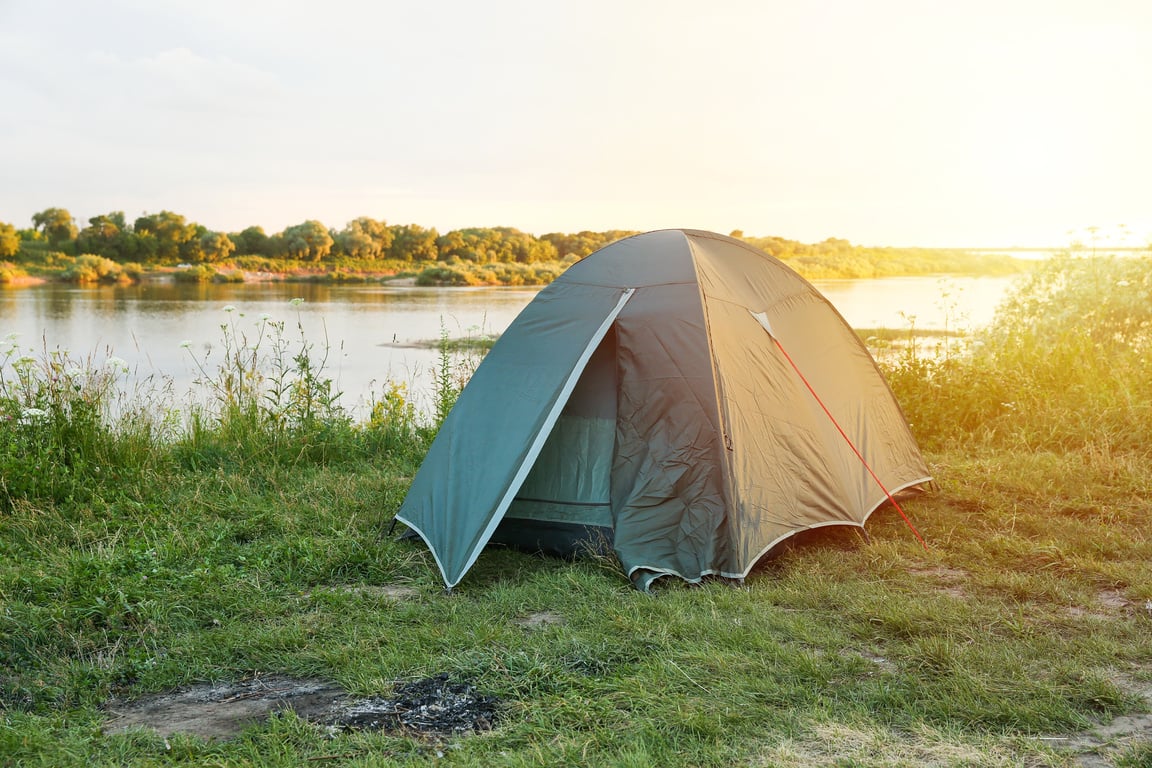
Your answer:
<point x="564" y="506"/>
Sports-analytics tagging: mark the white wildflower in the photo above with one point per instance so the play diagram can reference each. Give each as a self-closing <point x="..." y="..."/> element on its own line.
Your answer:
<point x="186" y="344"/>
<point x="30" y="415"/>
<point x="265" y="317"/>
<point x="12" y="336"/>
<point x="229" y="308"/>
<point x="116" y="365"/>
<point x="25" y="361"/>
<point x="296" y="301"/>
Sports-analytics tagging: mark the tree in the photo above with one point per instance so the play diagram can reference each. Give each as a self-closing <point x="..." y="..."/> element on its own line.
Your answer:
<point x="215" y="246"/>
<point x="499" y="244"/>
<point x="451" y="245"/>
<point x="107" y="235"/>
<point x="310" y="240"/>
<point x="56" y="224"/>
<point x="365" y="238"/>
<point x="192" y="249"/>
<point x="583" y="243"/>
<point x="411" y="242"/>
<point x="170" y="231"/>
<point x="252" y="241"/>
<point x="9" y="240"/>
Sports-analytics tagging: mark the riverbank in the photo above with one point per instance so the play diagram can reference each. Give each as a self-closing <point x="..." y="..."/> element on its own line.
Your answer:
<point x="242" y="554"/>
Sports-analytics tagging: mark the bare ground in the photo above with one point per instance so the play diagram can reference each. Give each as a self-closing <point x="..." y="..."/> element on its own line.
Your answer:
<point x="433" y="705"/>
<point x="1097" y="747"/>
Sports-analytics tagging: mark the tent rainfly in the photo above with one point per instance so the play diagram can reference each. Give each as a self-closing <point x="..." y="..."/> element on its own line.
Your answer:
<point x="679" y="395"/>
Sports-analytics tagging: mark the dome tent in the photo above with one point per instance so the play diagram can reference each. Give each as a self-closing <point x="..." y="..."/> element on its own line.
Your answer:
<point x="679" y="394"/>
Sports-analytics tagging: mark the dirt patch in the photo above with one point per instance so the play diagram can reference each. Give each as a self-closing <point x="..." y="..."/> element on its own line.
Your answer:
<point x="397" y="592"/>
<point x="881" y="662"/>
<point x="1106" y="603"/>
<point x="434" y="706"/>
<point x="540" y="619"/>
<point x="23" y="281"/>
<point x="1097" y="747"/>
<point x="1077" y="612"/>
<point x="1110" y="598"/>
<point x="220" y="711"/>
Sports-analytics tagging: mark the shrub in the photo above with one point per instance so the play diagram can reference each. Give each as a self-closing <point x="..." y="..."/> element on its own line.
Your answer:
<point x="10" y="273"/>
<point x="90" y="268"/>
<point x="201" y="273"/>
<point x="394" y="425"/>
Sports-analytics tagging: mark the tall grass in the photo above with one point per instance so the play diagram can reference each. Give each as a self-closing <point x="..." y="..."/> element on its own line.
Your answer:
<point x="267" y="397"/>
<point x="1064" y="366"/>
<point x="65" y="421"/>
<point x="262" y="396"/>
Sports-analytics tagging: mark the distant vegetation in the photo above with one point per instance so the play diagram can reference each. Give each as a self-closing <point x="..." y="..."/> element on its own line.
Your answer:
<point x="369" y="248"/>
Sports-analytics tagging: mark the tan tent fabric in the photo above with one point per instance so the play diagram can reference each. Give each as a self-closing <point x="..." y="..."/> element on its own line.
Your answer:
<point x="653" y="409"/>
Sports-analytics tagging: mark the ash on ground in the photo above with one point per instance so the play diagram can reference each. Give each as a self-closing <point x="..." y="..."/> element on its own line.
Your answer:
<point x="434" y="705"/>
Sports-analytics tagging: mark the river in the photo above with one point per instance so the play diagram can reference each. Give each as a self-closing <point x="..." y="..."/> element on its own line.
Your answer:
<point x="374" y="334"/>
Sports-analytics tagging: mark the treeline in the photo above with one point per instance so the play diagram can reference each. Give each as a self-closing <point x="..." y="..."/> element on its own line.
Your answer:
<point x="167" y="238"/>
<point x="837" y="258"/>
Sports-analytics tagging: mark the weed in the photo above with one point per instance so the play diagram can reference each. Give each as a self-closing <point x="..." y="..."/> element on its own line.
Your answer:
<point x="266" y="395"/>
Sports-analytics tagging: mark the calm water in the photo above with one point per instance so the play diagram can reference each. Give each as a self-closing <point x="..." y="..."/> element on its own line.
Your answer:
<point x="373" y="332"/>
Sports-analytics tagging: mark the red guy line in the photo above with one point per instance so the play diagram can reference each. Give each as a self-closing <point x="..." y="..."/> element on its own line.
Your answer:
<point x="847" y="439"/>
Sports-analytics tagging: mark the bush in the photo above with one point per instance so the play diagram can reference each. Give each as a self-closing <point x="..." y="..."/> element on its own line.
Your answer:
<point x="444" y="275"/>
<point x="201" y="273"/>
<point x="459" y="273"/>
<point x="10" y="273"/>
<point x="90" y="268"/>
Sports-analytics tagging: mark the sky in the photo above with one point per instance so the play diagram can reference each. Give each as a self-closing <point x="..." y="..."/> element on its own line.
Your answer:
<point x="984" y="123"/>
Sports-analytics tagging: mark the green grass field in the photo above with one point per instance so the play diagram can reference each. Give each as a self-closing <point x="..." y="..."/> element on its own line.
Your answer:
<point x="148" y="546"/>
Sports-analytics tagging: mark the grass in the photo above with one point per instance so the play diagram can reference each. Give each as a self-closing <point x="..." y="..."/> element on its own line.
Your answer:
<point x="141" y="554"/>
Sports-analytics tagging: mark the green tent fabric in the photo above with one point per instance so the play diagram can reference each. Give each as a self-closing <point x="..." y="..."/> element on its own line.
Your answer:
<point x="639" y="403"/>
